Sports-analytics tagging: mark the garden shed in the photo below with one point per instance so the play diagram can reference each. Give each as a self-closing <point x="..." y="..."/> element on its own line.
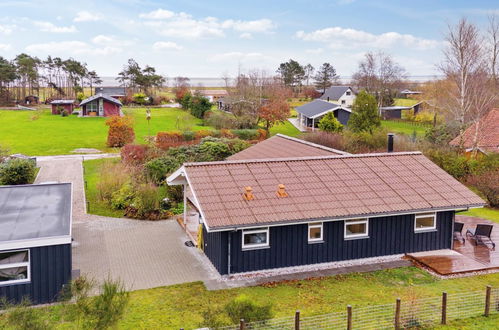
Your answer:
<point x="101" y="105"/>
<point x="35" y="241"/>
<point x="275" y="213"/>
<point x="59" y="105"/>
<point x="311" y="113"/>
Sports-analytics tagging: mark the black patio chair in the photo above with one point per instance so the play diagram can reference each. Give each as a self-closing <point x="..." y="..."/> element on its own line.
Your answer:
<point x="481" y="234"/>
<point x="458" y="232"/>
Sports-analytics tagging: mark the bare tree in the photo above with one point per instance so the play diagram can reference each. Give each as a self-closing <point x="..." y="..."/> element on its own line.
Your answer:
<point x="464" y="60"/>
<point x="493" y="36"/>
<point x="380" y="75"/>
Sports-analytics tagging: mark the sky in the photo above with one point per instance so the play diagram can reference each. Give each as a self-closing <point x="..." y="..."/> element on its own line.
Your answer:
<point x="214" y="38"/>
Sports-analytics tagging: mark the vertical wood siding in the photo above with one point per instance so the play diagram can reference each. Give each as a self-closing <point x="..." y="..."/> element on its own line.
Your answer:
<point x="216" y="248"/>
<point x="50" y="270"/>
<point x="289" y="244"/>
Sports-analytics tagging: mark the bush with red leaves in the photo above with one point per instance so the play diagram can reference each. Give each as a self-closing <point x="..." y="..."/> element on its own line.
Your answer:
<point x="488" y="184"/>
<point x="120" y="131"/>
<point x="134" y="154"/>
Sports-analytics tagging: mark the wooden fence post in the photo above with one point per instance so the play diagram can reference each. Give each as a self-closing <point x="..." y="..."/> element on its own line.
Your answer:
<point x="297" y="320"/>
<point x="242" y="326"/>
<point x="487" y="300"/>
<point x="444" y="307"/>
<point x="397" y="314"/>
<point x="349" y="317"/>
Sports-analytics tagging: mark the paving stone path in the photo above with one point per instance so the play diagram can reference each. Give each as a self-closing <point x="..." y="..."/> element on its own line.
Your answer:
<point x="143" y="254"/>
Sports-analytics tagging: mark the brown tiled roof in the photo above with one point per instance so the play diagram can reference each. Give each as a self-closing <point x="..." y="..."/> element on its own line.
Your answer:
<point x="322" y="188"/>
<point x="488" y="133"/>
<point x="282" y="146"/>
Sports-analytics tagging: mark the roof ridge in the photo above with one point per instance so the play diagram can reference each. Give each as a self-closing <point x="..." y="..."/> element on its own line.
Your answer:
<point x="315" y="145"/>
<point x="289" y="159"/>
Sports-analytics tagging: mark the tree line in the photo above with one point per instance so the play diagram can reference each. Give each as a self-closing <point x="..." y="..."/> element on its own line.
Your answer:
<point x="26" y="76"/>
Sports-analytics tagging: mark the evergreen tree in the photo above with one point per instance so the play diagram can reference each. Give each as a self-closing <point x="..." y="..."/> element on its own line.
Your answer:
<point x="292" y="73"/>
<point x="329" y="123"/>
<point x="364" y="115"/>
<point x="325" y="76"/>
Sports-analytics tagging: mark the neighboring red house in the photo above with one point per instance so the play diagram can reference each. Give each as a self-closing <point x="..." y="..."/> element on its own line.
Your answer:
<point x="59" y="105"/>
<point x="100" y="105"/>
<point x="488" y="134"/>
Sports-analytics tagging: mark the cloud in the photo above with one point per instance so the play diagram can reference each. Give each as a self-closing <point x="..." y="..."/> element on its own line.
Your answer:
<point x="338" y="37"/>
<point x="158" y="14"/>
<point x="166" y="45"/>
<point x="246" y="35"/>
<point x="236" y="56"/>
<point x="86" y="16"/>
<point x="314" y="51"/>
<point x="344" y="2"/>
<point x="6" y="29"/>
<point x="183" y="25"/>
<point x="5" y="47"/>
<point x="50" y="27"/>
<point x="72" y="47"/>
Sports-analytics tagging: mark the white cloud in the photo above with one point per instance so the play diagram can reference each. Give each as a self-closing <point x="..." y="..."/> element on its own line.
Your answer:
<point x="86" y="16"/>
<point x="236" y="56"/>
<point x="158" y="14"/>
<point x="338" y="37"/>
<point x="246" y="35"/>
<point x="6" y="29"/>
<point x="5" y="47"/>
<point x="166" y="45"/>
<point x="72" y="47"/>
<point x="314" y="51"/>
<point x="50" y="27"/>
<point x="183" y="25"/>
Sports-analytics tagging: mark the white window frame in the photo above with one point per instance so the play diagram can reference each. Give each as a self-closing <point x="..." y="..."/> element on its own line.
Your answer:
<point x="356" y="222"/>
<point x="18" y="264"/>
<point x="425" y="215"/>
<point x="255" y="231"/>
<point x="312" y="225"/>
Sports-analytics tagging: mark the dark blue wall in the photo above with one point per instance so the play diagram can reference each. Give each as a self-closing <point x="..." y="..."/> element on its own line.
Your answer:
<point x="343" y="116"/>
<point x="50" y="270"/>
<point x="289" y="245"/>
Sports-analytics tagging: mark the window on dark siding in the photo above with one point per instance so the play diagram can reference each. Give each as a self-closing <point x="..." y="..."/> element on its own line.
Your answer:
<point x="14" y="267"/>
<point x="425" y="221"/>
<point x="255" y="238"/>
<point x="315" y="232"/>
<point x="356" y="228"/>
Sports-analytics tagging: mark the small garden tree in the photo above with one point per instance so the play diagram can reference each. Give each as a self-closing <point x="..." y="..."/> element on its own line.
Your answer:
<point x="329" y="123"/>
<point x="364" y="115"/>
<point x="276" y="111"/>
<point x="140" y="98"/>
<point x="199" y="105"/>
<point x="17" y="171"/>
<point x="120" y="131"/>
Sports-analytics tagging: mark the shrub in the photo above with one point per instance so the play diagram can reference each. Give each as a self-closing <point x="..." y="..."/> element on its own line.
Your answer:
<point x="17" y="171"/>
<point x="329" y="123"/>
<point x="146" y="204"/>
<point x="488" y="184"/>
<point x="120" y="131"/>
<point x="442" y="134"/>
<point x="199" y="106"/>
<point x="203" y="133"/>
<point x="64" y="113"/>
<point x="243" y="307"/>
<point x="220" y="120"/>
<point x="113" y="175"/>
<point x="23" y="316"/>
<point x="140" y="98"/>
<point x="175" y="194"/>
<point x="158" y="169"/>
<point x="188" y="135"/>
<point x="226" y="133"/>
<point x="331" y="140"/>
<point x="80" y="97"/>
<point x="363" y="141"/>
<point x="165" y="140"/>
<point x="262" y="134"/>
<point x="364" y="116"/>
<point x="214" y="151"/>
<point x="450" y="161"/>
<point x="121" y="198"/>
<point x="186" y="100"/>
<point x="246" y="134"/>
<point x="134" y="154"/>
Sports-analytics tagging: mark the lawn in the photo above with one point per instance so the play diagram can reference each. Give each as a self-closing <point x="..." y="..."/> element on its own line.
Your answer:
<point x="285" y="128"/>
<point x="41" y="133"/>
<point x="485" y="213"/>
<point x="405" y="102"/>
<point x="403" y="127"/>
<point x="181" y="306"/>
<point x="91" y="177"/>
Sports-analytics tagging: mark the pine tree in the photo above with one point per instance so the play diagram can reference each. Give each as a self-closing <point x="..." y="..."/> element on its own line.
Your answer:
<point x="325" y="76"/>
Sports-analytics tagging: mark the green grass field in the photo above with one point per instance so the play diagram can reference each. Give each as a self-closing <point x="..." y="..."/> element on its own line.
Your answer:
<point x="404" y="102"/>
<point x="485" y="213"/>
<point x="403" y="127"/>
<point x="181" y="306"/>
<point x="91" y="177"/>
<point x="55" y="135"/>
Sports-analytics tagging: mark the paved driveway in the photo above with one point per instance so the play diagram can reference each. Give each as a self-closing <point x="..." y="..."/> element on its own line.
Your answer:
<point x="143" y="254"/>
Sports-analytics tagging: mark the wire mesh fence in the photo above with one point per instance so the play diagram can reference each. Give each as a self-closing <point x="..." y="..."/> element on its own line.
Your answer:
<point x="412" y="313"/>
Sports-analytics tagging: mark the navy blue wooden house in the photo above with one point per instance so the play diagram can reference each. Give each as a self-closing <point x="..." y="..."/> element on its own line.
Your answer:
<point x="35" y="241"/>
<point x="311" y="113"/>
<point x="273" y="213"/>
